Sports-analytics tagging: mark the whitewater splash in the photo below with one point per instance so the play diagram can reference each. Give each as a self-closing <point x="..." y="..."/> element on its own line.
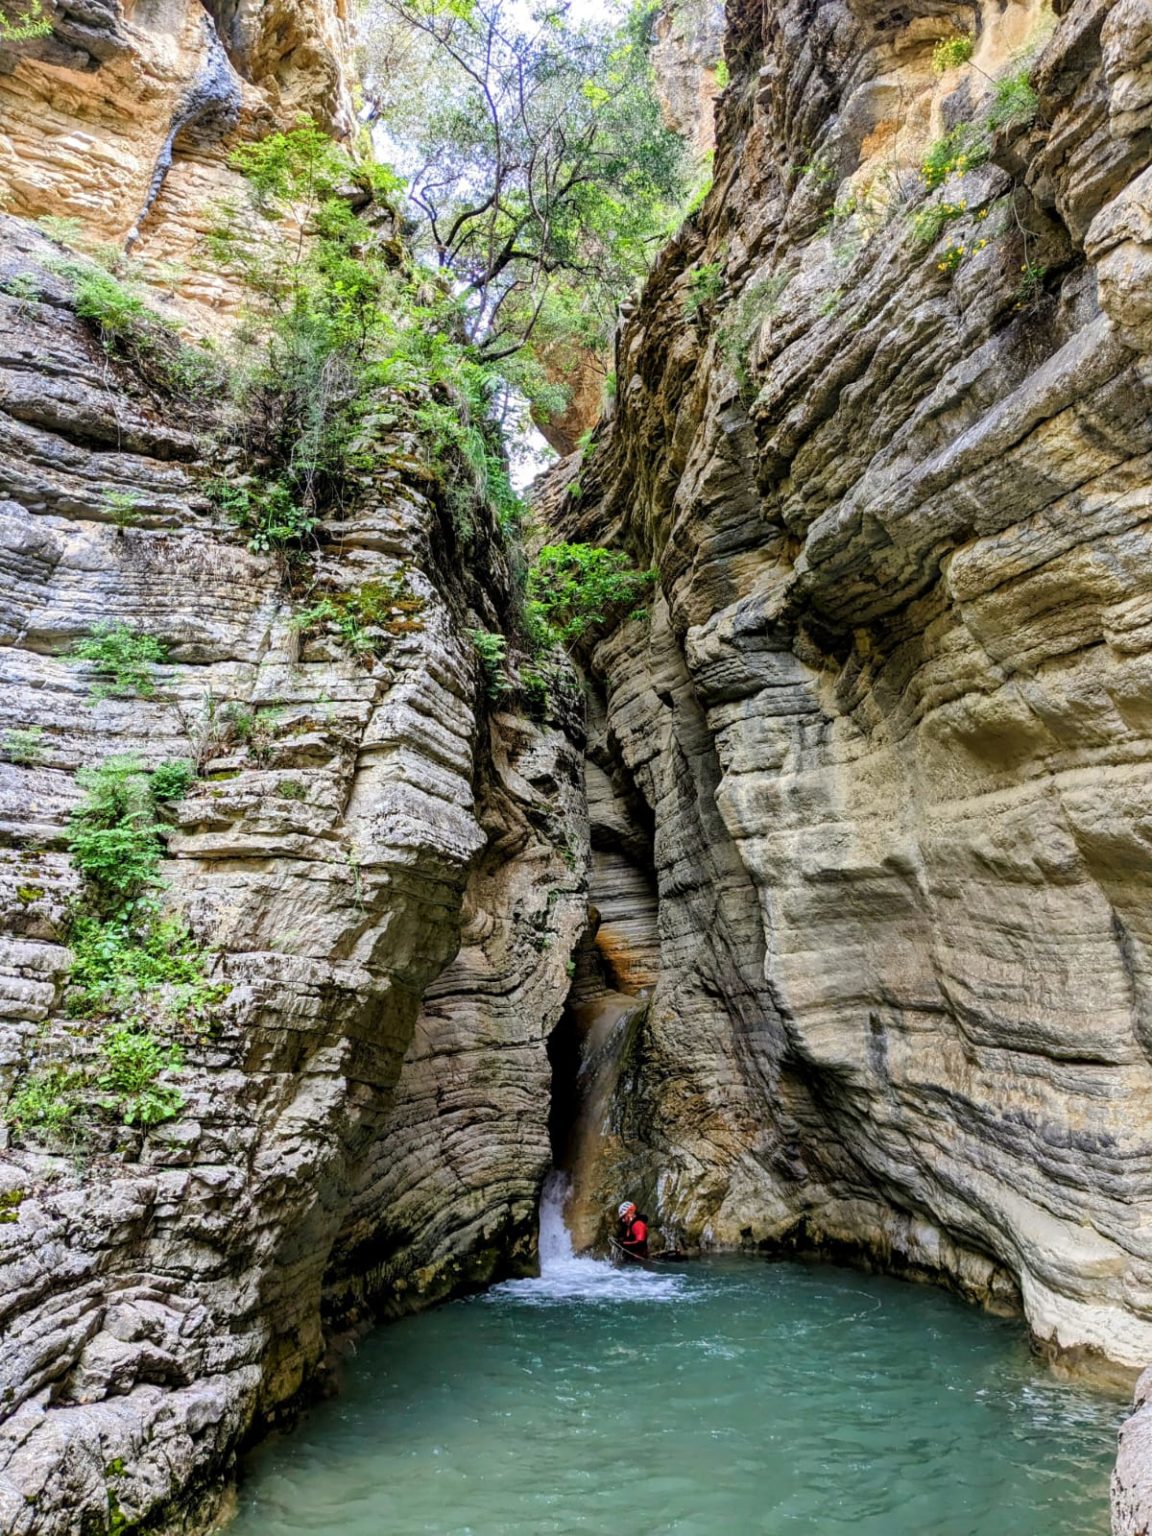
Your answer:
<point x="565" y="1276"/>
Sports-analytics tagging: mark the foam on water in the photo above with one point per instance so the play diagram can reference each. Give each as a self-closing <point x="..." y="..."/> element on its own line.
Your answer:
<point x="565" y="1276"/>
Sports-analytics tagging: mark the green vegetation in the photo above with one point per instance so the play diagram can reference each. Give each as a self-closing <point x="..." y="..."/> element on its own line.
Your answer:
<point x="24" y="745"/>
<point x="968" y="145"/>
<point x="10" y="1202"/>
<point x="742" y="321"/>
<point x="138" y="961"/>
<point x="171" y="780"/>
<point x="705" y="284"/>
<point x="114" y="836"/>
<point x="29" y="23"/>
<point x="492" y="650"/>
<point x="47" y="1100"/>
<point x="132" y="1061"/>
<point x="963" y="149"/>
<point x="951" y="52"/>
<point x="541" y="177"/>
<point x="122" y="507"/>
<point x="366" y="618"/>
<point x="130" y="331"/>
<point x="22" y="287"/>
<point x="292" y="789"/>
<point x="928" y="222"/>
<point x="1015" y="102"/>
<point x="722" y="75"/>
<point x="349" y="321"/>
<point x="137" y="973"/>
<point x="820" y="168"/>
<point x="267" y="513"/>
<point x="574" y="589"/>
<point x="1030" y="288"/>
<point x="122" y="654"/>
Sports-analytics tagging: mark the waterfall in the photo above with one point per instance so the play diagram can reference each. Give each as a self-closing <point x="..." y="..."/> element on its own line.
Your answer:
<point x="566" y="1276"/>
<point x="556" y="1250"/>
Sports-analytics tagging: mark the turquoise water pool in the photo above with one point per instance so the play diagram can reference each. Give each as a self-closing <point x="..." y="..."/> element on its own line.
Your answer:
<point x="724" y="1397"/>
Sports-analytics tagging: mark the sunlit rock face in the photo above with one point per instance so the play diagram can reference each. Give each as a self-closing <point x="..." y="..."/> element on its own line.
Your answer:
<point x="122" y="120"/>
<point x="890" y="717"/>
<point x="686" y="60"/>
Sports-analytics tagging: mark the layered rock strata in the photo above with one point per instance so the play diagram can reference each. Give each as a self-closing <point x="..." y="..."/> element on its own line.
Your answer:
<point x="889" y="718"/>
<point x="120" y="121"/>
<point x="375" y="832"/>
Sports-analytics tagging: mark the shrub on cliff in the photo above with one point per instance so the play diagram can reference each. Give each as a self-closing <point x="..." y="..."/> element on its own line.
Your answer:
<point x="123" y="657"/>
<point x="137" y="974"/>
<point x="575" y="589"/>
<point x="134" y="333"/>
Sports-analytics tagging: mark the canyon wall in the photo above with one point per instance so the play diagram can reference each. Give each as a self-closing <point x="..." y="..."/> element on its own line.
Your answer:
<point x="883" y="427"/>
<point x="385" y="868"/>
<point x="377" y="829"/>
<point x="861" y="805"/>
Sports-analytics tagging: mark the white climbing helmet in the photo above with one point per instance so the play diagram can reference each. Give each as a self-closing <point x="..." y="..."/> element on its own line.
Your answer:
<point x="624" y="1207"/>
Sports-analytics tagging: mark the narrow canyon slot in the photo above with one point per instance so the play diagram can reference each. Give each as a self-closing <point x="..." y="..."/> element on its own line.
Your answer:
<point x="575" y="747"/>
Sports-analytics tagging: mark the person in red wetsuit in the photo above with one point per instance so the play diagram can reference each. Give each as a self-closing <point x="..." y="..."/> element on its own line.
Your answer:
<point x="633" y="1231"/>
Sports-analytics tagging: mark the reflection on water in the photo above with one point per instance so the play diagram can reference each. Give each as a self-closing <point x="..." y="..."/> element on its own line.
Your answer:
<point x="723" y="1398"/>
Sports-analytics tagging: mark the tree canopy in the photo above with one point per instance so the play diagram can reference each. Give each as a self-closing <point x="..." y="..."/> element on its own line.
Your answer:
<point x="539" y="173"/>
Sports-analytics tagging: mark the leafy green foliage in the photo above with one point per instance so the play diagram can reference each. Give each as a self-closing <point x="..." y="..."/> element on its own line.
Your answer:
<point x="1015" y="102"/>
<point x="705" y="284"/>
<point x="821" y="168"/>
<point x="742" y="321"/>
<point x="22" y="287"/>
<point x="541" y="176"/>
<point x="928" y="222"/>
<point x="574" y="589"/>
<point x="123" y="654"/>
<point x="133" y="1061"/>
<point x="368" y="617"/>
<point x="129" y="330"/>
<point x="122" y="507"/>
<point x="172" y="779"/>
<point x="274" y="522"/>
<point x="24" y="745"/>
<point x="951" y="52"/>
<point x="46" y="1100"/>
<point x="963" y="149"/>
<point x="122" y="1084"/>
<point x="114" y="836"/>
<point x="1030" y="288"/>
<point x="139" y="961"/>
<point x="28" y="24"/>
<point x="346" y="322"/>
<point x="492" y="649"/>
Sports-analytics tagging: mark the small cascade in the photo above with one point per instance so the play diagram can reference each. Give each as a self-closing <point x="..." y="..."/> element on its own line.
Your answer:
<point x="565" y="1276"/>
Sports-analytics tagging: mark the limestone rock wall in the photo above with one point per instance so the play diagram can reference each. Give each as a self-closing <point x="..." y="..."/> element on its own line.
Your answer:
<point x="161" y="1292"/>
<point x="447" y="1197"/>
<point x="890" y="718"/>
<point x="122" y="120"/>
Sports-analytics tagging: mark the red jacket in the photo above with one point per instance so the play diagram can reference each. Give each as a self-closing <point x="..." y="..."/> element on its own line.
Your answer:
<point x="635" y="1237"/>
